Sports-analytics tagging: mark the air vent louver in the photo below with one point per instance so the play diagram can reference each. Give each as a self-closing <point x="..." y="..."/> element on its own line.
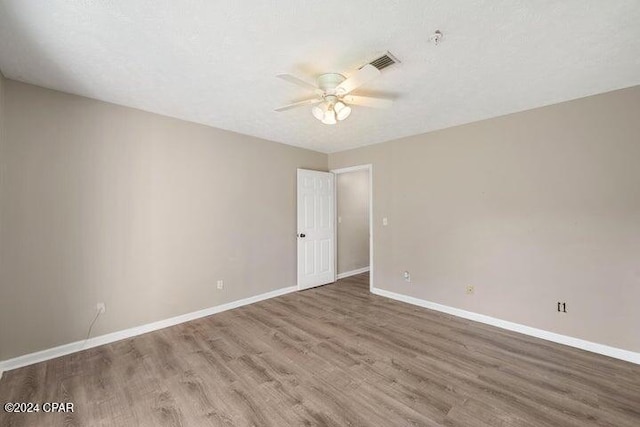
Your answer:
<point x="384" y="61"/>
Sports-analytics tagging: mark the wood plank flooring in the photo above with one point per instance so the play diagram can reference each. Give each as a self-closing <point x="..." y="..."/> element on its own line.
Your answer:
<point x="330" y="356"/>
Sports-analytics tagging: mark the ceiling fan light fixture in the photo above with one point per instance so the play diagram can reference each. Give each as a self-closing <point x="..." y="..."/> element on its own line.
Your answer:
<point x="342" y="110"/>
<point x="331" y="90"/>
<point x="329" y="118"/>
<point x="319" y="110"/>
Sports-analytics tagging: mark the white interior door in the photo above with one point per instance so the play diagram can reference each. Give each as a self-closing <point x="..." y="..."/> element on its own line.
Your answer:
<point x="316" y="265"/>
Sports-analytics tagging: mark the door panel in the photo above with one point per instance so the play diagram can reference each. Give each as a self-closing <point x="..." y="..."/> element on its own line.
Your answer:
<point x="316" y="264"/>
<point x="309" y="211"/>
<point x="325" y="256"/>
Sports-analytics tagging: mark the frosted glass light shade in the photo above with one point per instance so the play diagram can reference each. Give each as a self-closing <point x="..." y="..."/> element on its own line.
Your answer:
<point x="329" y="118"/>
<point x="342" y="110"/>
<point x="319" y="110"/>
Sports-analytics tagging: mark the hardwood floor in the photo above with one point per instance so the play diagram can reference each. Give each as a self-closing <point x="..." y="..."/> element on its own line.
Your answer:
<point x="329" y="356"/>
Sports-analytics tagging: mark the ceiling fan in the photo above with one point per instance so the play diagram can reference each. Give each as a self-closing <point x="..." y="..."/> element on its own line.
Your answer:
<point x="333" y="92"/>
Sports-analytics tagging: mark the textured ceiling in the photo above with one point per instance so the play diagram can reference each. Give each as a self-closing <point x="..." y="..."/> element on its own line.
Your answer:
<point x="214" y="62"/>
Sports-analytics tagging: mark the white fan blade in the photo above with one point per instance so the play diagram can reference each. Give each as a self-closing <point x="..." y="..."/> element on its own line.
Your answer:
<point x="362" y="76"/>
<point x="296" y="81"/>
<point x="367" y="101"/>
<point x="299" y="104"/>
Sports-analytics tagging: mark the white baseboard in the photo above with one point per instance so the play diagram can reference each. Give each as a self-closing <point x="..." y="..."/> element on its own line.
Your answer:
<point x="352" y="273"/>
<point x="606" y="350"/>
<point x="52" y="353"/>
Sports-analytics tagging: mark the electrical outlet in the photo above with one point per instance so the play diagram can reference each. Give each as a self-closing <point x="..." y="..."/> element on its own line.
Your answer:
<point x="220" y="284"/>
<point x="471" y="289"/>
<point x="407" y="276"/>
<point x="101" y="308"/>
<point x="385" y="221"/>
<point x="339" y="220"/>
<point x="562" y="307"/>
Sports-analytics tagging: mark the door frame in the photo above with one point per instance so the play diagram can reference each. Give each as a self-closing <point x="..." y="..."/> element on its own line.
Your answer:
<point x="368" y="167"/>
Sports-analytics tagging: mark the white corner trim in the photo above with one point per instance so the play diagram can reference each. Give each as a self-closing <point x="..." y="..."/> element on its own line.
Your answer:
<point x="606" y="350"/>
<point x="352" y="272"/>
<point x="52" y="353"/>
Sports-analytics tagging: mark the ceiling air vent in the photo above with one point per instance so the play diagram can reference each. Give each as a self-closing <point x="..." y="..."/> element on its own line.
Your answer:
<point x="384" y="61"/>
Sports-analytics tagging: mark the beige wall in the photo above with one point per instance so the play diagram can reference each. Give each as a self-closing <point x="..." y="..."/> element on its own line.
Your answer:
<point x="2" y="83"/>
<point x="531" y="208"/>
<point x="143" y="212"/>
<point x="2" y="175"/>
<point x="105" y="203"/>
<point x="352" y="190"/>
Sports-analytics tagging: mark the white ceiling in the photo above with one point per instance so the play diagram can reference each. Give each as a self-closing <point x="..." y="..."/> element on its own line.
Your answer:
<point x="214" y="62"/>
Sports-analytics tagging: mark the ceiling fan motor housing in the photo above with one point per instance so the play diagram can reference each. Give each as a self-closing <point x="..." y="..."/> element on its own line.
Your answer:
<point x="328" y="82"/>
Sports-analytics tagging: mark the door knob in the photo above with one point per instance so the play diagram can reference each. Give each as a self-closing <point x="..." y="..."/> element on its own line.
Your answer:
<point x="302" y="235"/>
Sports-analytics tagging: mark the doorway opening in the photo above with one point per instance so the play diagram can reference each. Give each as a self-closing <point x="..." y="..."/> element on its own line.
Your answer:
<point x="354" y="221"/>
